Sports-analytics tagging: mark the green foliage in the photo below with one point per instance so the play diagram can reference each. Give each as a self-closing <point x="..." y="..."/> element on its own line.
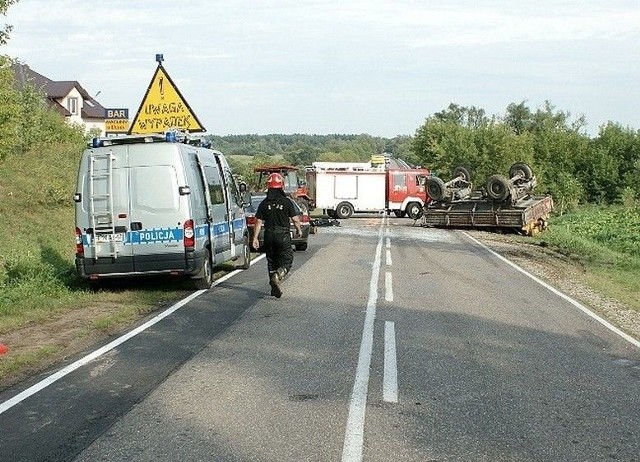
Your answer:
<point x="567" y="164"/>
<point x="4" y="32"/>
<point x="616" y="229"/>
<point x="301" y="150"/>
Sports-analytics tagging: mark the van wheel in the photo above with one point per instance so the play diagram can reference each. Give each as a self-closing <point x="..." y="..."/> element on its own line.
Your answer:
<point x="344" y="210"/>
<point x="205" y="277"/>
<point x="246" y="254"/>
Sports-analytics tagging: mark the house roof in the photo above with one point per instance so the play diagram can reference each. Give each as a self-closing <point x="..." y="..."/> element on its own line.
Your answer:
<point x="55" y="90"/>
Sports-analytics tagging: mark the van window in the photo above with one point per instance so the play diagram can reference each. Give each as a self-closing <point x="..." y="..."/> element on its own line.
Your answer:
<point x="155" y="188"/>
<point x="216" y="191"/>
<point x="233" y="187"/>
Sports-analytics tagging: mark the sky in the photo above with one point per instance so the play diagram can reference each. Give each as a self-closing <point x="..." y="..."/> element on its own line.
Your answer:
<point x="348" y="66"/>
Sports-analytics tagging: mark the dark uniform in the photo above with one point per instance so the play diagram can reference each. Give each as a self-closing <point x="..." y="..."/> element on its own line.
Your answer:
<point x="275" y="211"/>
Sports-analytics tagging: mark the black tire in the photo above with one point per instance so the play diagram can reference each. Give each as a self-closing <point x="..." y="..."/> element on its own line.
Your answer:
<point x="246" y="254"/>
<point x="399" y="213"/>
<point x="301" y="246"/>
<point x="498" y="188"/>
<point x="414" y="210"/>
<point x="332" y="214"/>
<point x="435" y="188"/>
<point x="344" y="210"/>
<point x="205" y="276"/>
<point x="461" y="171"/>
<point x="520" y="168"/>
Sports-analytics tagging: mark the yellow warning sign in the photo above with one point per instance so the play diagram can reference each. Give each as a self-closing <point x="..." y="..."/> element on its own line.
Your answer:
<point x="163" y="108"/>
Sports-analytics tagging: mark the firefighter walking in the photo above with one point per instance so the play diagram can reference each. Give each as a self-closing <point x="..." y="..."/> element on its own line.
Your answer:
<point x="275" y="213"/>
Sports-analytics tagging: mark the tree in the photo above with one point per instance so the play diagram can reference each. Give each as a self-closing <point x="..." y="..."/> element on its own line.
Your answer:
<point x="4" y="33"/>
<point x="519" y="118"/>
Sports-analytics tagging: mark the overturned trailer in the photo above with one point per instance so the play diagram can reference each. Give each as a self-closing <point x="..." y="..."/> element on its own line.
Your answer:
<point x="503" y="204"/>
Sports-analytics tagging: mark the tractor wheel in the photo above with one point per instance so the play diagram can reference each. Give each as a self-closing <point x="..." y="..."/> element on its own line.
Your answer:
<point x="498" y="188"/>
<point x="435" y="188"/>
<point x="462" y="171"/>
<point x="522" y="169"/>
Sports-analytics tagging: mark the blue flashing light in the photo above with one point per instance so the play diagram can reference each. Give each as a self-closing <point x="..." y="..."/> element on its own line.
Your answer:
<point x="171" y="137"/>
<point x="96" y="142"/>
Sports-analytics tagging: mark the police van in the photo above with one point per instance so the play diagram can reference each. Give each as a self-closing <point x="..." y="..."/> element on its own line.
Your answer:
<point x="154" y="205"/>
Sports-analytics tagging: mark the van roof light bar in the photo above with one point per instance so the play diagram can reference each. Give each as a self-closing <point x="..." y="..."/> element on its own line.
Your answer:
<point x="172" y="136"/>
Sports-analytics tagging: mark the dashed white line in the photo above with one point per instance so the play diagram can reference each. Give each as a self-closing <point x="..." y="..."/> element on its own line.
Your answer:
<point x="389" y="262"/>
<point x="388" y="285"/>
<point x="354" y="434"/>
<point x="390" y="374"/>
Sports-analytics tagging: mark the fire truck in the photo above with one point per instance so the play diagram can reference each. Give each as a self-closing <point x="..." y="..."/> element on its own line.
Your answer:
<point x="344" y="188"/>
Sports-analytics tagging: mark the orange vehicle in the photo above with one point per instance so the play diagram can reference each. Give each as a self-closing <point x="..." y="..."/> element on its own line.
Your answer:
<point x="293" y="185"/>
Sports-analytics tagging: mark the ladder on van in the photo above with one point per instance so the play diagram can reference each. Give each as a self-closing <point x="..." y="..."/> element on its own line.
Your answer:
<point x="101" y="204"/>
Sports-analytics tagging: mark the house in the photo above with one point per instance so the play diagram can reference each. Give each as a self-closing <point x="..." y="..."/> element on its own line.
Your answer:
<point x="66" y="97"/>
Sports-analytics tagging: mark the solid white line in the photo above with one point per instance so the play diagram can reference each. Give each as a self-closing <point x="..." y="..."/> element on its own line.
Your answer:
<point x="390" y="376"/>
<point x="110" y="346"/>
<point x="354" y="435"/>
<point x="389" y="262"/>
<point x="388" y="243"/>
<point x="575" y="303"/>
<point x="388" y="285"/>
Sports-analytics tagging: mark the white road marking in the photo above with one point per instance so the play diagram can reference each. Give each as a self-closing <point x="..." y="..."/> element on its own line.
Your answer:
<point x="388" y="243"/>
<point x="390" y="377"/>
<point x="388" y="286"/>
<point x="354" y="435"/>
<point x="575" y="303"/>
<point x="5" y="406"/>
<point x="389" y="262"/>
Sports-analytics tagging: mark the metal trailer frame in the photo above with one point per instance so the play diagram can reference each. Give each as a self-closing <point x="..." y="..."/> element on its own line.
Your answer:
<point x="528" y="215"/>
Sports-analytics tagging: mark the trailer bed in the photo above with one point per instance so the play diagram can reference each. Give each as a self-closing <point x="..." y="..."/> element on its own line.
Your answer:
<point x="529" y="215"/>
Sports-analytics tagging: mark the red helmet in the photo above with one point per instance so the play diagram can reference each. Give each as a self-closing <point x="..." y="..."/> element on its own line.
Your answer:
<point x="275" y="181"/>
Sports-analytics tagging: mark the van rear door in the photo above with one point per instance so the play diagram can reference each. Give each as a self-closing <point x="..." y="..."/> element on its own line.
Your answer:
<point x="157" y="211"/>
<point x="104" y="210"/>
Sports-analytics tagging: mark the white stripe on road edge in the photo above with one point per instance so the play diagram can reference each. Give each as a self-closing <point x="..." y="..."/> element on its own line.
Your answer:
<point x="390" y="376"/>
<point x="110" y="346"/>
<point x="354" y="435"/>
<point x="575" y="303"/>
<point x="388" y="286"/>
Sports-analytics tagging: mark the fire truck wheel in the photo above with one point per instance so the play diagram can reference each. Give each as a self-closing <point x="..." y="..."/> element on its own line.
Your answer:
<point x="344" y="210"/>
<point x="414" y="210"/>
<point x="435" y="188"/>
<point x="399" y="213"/>
<point x="498" y="188"/>
<point x="520" y="168"/>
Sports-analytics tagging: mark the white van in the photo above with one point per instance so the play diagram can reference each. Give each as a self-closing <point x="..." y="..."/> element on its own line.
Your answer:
<point x="157" y="204"/>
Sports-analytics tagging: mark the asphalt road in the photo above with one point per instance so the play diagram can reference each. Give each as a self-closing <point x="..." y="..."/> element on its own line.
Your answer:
<point x="391" y="343"/>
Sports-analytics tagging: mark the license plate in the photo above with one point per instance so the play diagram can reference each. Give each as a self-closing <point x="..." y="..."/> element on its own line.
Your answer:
<point x="117" y="237"/>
